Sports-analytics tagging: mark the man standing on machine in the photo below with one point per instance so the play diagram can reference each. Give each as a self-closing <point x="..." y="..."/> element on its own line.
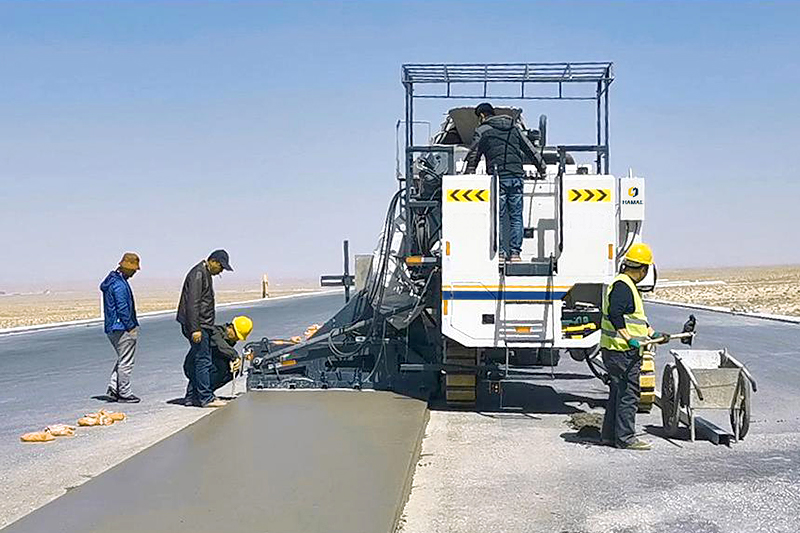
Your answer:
<point x="501" y="140"/>
<point x="624" y="330"/>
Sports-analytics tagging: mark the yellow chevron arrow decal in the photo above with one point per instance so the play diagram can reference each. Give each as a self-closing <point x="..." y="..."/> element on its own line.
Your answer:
<point x="467" y="195"/>
<point x="589" y="195"/>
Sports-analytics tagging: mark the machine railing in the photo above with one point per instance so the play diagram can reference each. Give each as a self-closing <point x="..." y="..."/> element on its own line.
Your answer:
<point x="496" y="80"/>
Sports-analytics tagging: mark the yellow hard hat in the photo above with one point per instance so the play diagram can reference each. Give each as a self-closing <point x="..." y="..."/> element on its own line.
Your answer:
<point x="242" y="325"/>
<point x="640" y="253"/>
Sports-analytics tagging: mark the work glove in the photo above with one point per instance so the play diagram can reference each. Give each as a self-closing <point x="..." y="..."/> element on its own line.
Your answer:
<point x="236" y="364"/>
<point x="634" y="343"/>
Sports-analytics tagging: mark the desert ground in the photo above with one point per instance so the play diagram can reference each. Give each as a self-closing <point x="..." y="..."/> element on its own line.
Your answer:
<point x="771" y="289"/>
<point x="45" y="306"/>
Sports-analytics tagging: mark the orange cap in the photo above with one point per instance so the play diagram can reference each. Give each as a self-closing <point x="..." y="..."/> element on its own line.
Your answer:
<point x="130" y="260"/>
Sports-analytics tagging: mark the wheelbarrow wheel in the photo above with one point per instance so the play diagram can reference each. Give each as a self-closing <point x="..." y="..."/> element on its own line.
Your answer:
<point x="740" y="412"/>
<point x="670" y="408"/>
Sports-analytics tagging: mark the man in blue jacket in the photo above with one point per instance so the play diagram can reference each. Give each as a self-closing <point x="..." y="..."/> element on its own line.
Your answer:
<point x="121" y="326"/>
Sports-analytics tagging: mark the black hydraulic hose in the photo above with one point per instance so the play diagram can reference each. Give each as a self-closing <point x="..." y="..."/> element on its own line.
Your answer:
<point x="385" y="248"/>
<point x="599" y="375"/>
<point x="371" y="290"/>
<point x="380" y="278"/>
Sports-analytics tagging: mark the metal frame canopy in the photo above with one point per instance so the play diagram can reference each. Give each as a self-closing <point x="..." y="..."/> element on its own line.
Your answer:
<point x="498" y="79"/>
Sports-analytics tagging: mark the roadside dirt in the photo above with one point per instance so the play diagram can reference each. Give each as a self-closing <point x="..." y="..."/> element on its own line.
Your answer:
<point x="774" y="290"/>
<point x="47" y="307"/>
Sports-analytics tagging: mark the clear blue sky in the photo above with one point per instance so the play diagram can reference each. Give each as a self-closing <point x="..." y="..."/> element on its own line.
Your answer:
<point x="172" y="129"/>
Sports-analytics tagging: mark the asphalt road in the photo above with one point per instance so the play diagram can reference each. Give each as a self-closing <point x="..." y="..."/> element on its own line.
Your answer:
<point x="527" y="471"/>
<point x="771" y="350"/>
<point x="51" y="376"/>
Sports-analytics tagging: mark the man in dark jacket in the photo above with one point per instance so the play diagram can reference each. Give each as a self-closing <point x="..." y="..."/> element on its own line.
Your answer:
<point x="501" y="140"/>
<point x="224" y="357"/>
<point x="196" y="316"/>
<point x="121" y="326"/>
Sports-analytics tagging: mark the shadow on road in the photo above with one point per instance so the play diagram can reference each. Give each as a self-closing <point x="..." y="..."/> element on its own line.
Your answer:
<point x="526" y="398"/>
<point x="658" y="431"/>
<point x="586" y="436"/>
<point x="177" y="401"/>
<point x="104" y="398"/>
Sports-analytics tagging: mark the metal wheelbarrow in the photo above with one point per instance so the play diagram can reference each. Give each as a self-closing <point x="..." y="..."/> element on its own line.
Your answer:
<point x="705" y="379"/>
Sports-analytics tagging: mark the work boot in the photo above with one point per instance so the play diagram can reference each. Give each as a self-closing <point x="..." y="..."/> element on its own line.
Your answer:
<point x="637" y="445"/>
<point x="216" y="402"/>
<point x="112" y="395"/>
<point x="129" y="399"/>
<point x="515" y="258"/>
<point x="190" y="402"/>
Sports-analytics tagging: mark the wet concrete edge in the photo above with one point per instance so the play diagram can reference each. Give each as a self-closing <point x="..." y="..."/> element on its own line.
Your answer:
<point x="412" y="469"/>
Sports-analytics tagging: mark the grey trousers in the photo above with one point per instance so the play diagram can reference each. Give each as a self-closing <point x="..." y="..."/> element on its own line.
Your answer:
<point x="619" y="422"/>
<point x="124" y="344"/>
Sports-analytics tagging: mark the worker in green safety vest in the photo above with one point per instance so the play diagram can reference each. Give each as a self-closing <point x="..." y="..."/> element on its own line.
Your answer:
<point x="624" y="329"/>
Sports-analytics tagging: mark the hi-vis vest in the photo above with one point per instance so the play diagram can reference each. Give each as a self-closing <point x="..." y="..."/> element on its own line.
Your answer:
<point x="635" y="323"/>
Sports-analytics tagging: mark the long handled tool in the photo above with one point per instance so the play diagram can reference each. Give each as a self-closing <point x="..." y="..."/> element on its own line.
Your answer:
<point x="237" y="369"/>
<point x="671" y="337"/>
<point x="686" y="336"/>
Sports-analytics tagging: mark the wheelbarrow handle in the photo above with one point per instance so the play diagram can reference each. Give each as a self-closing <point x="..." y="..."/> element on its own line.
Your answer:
<point x="743" y="368"/>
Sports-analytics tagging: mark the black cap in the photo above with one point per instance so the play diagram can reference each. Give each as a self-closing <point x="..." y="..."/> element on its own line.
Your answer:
<point x="222" y="257"/>
<point x="484" y="109"/>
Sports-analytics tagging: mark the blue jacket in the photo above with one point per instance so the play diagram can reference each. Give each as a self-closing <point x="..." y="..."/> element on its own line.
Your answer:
<point x="118" y="305"/>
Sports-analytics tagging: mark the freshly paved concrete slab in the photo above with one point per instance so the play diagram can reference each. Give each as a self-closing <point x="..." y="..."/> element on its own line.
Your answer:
<point x="528" y="471"/>
<point x="276" y="461"/>
<point x="49" y="377"/>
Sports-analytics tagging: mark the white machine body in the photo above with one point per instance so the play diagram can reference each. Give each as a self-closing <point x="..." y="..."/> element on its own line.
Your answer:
<point x="485" y="304"/>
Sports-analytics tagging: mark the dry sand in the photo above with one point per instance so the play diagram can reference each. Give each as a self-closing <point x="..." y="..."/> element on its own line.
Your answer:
<point x="773" y="289"/>
<point x="48" y="307"/>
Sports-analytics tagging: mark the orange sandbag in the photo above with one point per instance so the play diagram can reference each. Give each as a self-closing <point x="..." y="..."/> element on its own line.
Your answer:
<point x="100" y="418"/>
<point x="95" y="419"/>
<point x="61" y="430"/>
<point x="38" y="436"/>
<point x="104" y="419"/>
<point x="87" y="421"/>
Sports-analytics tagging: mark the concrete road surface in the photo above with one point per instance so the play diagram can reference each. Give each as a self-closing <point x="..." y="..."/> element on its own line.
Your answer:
<point x="528" y="471"/>
<point x="272" y="461"/>
<point x="49" y="377"/>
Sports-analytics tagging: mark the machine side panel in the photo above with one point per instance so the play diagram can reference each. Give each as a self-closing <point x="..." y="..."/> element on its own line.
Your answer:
<point x="468" y="262"/>
<point x="590" y="242"/>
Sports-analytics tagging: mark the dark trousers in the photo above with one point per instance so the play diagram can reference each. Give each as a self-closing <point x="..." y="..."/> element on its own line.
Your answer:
<point x="197" y="367"/>
<point x="220" y="371"/>
<point x="619" y="422"/>
<point x="511" y="230"/>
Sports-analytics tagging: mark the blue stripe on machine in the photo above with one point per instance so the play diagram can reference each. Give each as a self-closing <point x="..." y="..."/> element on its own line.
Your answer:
<point x="502" y="295"/>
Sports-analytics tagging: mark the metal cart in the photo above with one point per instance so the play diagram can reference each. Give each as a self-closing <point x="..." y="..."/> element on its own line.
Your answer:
<point x="705" y="379"/>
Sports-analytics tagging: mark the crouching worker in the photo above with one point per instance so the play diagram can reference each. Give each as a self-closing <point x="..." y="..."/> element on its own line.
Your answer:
<point x="624" y="329"/>
<point x="224" y="358"/>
